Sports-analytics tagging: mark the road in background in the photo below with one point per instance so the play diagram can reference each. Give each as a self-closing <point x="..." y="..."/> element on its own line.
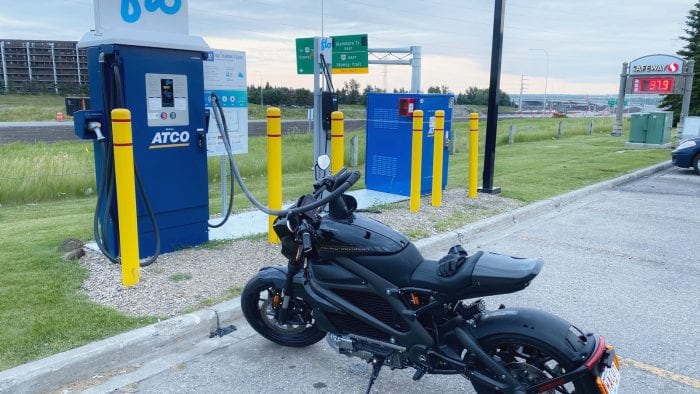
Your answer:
<point x="63" y="131"/>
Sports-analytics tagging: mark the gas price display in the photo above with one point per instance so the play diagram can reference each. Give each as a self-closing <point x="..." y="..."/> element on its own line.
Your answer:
<point x="653" y="85"/>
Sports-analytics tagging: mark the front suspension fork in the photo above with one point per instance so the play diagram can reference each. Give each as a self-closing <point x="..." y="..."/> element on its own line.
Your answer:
<point x="292" y="270"/>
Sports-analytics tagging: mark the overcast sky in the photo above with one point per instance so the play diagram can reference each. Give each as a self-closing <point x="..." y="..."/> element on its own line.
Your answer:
<point x="587" y="41"/>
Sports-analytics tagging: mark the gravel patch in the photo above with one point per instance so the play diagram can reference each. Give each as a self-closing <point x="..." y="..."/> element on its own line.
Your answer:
<point x="193" y="278"/>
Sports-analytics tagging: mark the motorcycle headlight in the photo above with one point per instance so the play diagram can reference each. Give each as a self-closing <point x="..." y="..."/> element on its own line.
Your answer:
<point x="686" y="144"/>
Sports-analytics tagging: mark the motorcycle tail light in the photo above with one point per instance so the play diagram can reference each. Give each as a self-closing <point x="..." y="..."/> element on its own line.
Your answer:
<point x="597" y="354"/>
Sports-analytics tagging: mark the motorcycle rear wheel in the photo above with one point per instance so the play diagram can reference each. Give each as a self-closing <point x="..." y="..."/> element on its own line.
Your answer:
<point x="260" y="311"/>
<point x="532" y="361"/>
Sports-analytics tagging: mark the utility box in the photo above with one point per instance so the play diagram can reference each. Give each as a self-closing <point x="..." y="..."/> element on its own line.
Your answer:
<point x="657" y="131"/>
<point x="691" y="127"/>
<point x="389" y="136"/>
<point x="638" y="128"/>
<point x="651" y="128"/>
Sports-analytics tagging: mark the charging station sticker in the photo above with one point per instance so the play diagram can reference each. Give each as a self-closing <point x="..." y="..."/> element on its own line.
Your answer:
<point x="225" y="75"/>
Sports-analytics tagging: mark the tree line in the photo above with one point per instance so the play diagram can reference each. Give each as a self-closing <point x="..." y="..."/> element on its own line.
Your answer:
<point x="352" y="93"/>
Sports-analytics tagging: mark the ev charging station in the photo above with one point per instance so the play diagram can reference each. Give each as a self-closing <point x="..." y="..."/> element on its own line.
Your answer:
<point x="141" y="57"/>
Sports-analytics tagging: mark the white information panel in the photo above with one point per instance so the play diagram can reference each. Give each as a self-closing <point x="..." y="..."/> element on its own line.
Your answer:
<point x="225" y="75"/>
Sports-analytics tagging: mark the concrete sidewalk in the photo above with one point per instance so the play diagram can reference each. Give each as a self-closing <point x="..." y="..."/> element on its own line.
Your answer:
<point x="182" y="336"/>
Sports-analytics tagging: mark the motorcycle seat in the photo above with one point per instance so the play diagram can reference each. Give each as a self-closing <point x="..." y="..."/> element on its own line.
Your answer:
<point x="484" y="273"/>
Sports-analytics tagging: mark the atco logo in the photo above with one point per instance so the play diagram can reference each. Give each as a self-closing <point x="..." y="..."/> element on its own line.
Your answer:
<point x="131" y="9"/>
<point x="171" y="138"/>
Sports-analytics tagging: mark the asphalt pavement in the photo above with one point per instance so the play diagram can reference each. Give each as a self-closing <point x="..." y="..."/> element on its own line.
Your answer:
<point x="621" y="259"/>
<point x="622" y="262"/>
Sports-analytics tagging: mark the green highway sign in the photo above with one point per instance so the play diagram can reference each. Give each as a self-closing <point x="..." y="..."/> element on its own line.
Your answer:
<point x="305" y="55"/>
<point x="612" y="103"/>
<point x="350" y="54"/>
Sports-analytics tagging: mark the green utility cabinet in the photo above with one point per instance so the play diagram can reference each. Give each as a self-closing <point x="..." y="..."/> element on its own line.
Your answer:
<point x="657" y="132"/>
<point x="638" y="128"/>
<point x="651" y="128"/>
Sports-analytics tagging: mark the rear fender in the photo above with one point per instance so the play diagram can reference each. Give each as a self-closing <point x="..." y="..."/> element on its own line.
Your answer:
<point x="539" y="325"/>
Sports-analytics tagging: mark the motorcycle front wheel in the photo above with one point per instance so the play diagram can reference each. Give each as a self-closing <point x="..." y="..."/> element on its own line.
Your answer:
<point x="532" y="361"/>
<point x="261" y="300"/>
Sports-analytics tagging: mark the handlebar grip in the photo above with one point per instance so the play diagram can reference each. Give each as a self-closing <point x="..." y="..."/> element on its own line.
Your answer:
<point x="306" y="241"/>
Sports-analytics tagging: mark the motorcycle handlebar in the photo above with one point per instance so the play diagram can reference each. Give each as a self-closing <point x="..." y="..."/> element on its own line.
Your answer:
<point x="347" y="182"/>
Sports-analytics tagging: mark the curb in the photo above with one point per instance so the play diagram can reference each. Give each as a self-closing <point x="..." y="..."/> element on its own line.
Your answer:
<point x="119" y="351"/>
<point x="124" y="349"/>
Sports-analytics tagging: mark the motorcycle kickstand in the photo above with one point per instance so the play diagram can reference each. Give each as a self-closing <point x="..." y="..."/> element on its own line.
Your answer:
<point x="377" y="364"/>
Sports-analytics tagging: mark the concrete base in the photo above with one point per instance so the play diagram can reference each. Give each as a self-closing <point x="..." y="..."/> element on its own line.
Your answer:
<point x="255" y="222"/>
<point x="637" y="145"/>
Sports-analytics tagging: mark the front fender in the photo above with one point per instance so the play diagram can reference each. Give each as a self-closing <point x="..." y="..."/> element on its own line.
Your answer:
<point x="538" y="325"/>
<point x="276" y="273"/>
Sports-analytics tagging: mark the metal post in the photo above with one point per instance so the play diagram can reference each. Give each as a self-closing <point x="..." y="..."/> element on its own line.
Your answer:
<point x="617" y="126"/>
<point x="492" y="118"/>
<point x="416" y="160"/>
<point x="438" y="148"/>
<point x="687" y="91"/>
<point x="354" y="150"/>
<point x="559" y="129"/>
<point x="126" y="195"/>
<point x="77" y="63"/>
<point x="320" y="140"/>
<point x="511" y="135"/>
<point x="4" y="66"/>
<point x="415" y="69"/>
<point x="546" y="78"/>
<point x="590" y="127"/>
<point x="53" y="63"/>
<point x="274" y="167"/>
<point x="224" y="184"/>
<point x="29" y="63"/>
<point x="522" y="86"/>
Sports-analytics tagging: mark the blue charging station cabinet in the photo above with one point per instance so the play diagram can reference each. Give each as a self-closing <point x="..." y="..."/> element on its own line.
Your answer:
<point x="163" y="88"/>
<point x="389" y="135"/>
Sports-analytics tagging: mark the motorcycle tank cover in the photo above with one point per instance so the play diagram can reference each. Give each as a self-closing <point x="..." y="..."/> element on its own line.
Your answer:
<point x="358" y="236"/>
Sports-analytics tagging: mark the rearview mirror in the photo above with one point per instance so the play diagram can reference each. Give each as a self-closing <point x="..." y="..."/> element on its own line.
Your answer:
<point x="323" y="162"/>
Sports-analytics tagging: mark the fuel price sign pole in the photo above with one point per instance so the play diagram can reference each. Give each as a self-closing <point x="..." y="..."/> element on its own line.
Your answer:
<point x="655" y="74"/>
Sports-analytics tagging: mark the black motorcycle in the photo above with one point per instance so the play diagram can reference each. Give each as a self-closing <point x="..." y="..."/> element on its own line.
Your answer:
<point x="368" y="290"/>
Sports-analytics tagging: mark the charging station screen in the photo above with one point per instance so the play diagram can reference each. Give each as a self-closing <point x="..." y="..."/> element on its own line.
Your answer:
<point x="166" y="93"/>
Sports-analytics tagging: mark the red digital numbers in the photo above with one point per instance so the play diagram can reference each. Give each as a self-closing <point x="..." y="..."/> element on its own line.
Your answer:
<point x="653" y="85"/>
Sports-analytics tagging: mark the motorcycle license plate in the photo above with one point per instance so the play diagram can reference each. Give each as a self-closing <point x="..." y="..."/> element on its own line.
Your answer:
<point x="609" y="379"/>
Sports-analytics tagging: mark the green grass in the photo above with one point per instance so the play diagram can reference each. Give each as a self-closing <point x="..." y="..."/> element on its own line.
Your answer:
<point x="41" y="310"/>
<point x="43" y="107"/>
<point x="22" y="108"/>
<point x="180" y="276"/>
<point x="31" y="173"/>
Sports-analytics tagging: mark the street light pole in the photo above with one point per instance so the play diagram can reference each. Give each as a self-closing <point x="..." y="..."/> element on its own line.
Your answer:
<point x="546" y="78"/>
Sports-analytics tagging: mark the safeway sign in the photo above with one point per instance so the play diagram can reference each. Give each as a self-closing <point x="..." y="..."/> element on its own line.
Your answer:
<point x="657" y="64"/>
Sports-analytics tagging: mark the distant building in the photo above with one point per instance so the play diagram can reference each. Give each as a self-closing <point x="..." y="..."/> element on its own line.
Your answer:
<point x="38" y="66"/>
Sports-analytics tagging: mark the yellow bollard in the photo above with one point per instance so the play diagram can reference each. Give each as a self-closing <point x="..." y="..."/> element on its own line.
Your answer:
<point x="473" y="153"/>
<point x="416" y="159"/>
<point x="337" y="141"/>
<point x="274" y="167"/>
<point x="126" y="196"/>
<point x="438" y="147"/>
